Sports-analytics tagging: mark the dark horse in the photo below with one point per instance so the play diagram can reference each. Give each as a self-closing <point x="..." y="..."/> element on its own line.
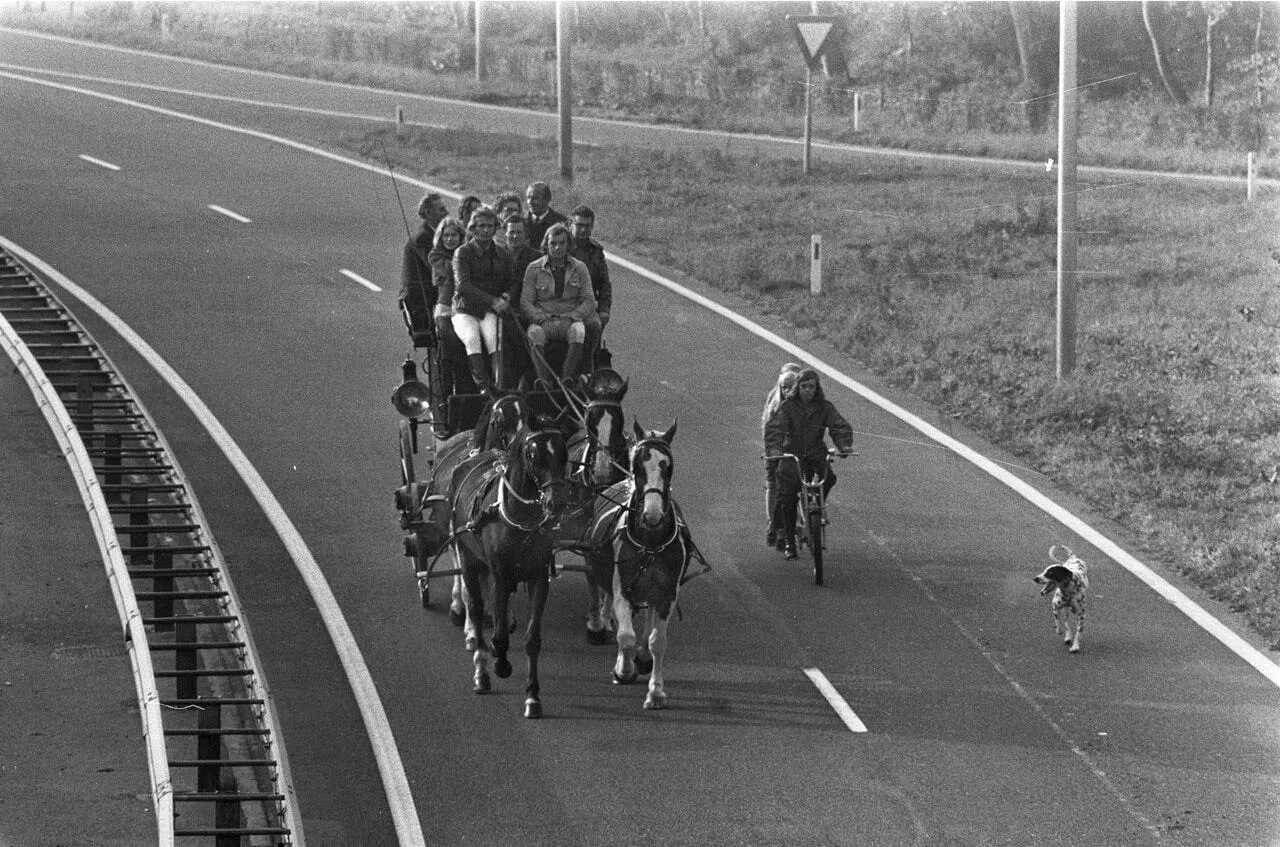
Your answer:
<point x="640" y="550"/>
<point x="504" y="506"/>
<point x="597" y="457"/>
<point x="501" y="419"/>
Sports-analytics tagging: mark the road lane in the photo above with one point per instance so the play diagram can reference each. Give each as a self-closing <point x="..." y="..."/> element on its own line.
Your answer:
<point x="299" y="366"/>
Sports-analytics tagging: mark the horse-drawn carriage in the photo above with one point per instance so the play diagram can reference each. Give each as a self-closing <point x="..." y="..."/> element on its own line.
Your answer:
<point x="502" y="482"/>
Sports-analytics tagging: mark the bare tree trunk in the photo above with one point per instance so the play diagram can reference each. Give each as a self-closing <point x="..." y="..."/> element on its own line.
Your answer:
<point x="1037" y="78"/>
<point x="906" y="26"/>
<point x="1171" y="85"/>
<point x="1214" y="13"/>
<point x="1257" y="58"/>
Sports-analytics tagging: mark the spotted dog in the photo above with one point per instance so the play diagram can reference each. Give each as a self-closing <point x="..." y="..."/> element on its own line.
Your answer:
<point x="1068" y="579"/>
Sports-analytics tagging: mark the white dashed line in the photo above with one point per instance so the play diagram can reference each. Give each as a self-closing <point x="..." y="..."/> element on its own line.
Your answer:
<point x="843" y="709"/>
<point x="241" y="218"/>
<point x="99" y="163"/>
<point x="355" y="277"/>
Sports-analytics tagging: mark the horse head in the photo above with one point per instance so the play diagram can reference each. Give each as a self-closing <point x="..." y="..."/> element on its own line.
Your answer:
<point x="606" y="451"/>
<point x="538" y="459"/>
<point x="652" y="464"/>
<point x="507" y="415"/>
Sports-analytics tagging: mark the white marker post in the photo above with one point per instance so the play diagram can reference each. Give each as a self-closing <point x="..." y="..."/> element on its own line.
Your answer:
<point x="399" y="120"/>
<point x="857" y="110"/>
<point x="1251" y="171"/>
<point x="815" y="264"/>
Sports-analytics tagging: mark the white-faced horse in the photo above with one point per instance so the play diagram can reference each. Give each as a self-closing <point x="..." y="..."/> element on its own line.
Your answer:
<point x="640" y="550"/>
<point x="504" y="507"/>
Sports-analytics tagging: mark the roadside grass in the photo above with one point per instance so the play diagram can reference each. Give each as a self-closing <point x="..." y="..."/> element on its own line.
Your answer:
<point x="943" y="283"/>
<point x="290" y="39"/>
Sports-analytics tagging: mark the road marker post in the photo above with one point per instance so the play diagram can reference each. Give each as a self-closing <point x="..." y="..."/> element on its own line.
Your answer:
<point x="815" y="264"/>
<point x="1251" y="171"/>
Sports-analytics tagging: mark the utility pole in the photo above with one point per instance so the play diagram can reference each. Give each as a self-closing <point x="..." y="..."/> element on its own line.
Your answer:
<point x="1068" y="232"/>
<point x="479" y="51"/>
<point x="564" y="88"/>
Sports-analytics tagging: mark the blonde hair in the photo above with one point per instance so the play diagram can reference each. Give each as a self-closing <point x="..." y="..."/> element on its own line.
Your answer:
<point x="787" y="379"/>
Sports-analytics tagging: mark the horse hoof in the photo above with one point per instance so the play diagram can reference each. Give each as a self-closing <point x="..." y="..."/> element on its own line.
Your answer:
<point x="471" y="644"/>
<point x="482" y="684"/>
<point x="655" y="702"/>
<point x="623" y="680"/>
<point x="643" y="666"/>
<point x="457" y="618"/>
<point x="599" y="637"/>
<point x="502" y="668"/>
<point x="532" y="709"/>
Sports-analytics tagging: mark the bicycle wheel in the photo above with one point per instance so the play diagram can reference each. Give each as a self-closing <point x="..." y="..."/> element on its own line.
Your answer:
<point x="815" y="543"/>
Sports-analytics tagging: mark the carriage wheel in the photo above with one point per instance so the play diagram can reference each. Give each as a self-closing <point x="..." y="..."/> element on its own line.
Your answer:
<point x="815" y="544"/>
<point x="406" y="454"/>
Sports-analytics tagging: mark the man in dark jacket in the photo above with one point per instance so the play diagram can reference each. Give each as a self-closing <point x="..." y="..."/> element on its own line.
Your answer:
<point x="800" y="427"/>
<point x="417" y="292"/>
<point x="588" y="251"/>
<point x="541" y="216"/>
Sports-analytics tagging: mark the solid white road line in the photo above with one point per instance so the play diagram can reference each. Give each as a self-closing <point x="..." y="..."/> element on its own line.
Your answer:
<point x="842" y="707"/>
<point x="1242" y="648"/>
<point x="99" y="163"/>
<point x="395" y="781"/>
<point x="355" y="277"/>
<point x="220" y="210"/>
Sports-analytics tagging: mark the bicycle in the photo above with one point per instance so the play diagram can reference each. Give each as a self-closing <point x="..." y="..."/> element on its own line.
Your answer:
<point x="811" y="516"/>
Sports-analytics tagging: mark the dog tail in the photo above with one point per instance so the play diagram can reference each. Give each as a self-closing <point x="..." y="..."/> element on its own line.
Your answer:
<point x="1054" y="555"/>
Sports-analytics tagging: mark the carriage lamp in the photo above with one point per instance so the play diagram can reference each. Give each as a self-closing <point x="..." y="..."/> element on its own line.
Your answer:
<point x="411" y="398"/>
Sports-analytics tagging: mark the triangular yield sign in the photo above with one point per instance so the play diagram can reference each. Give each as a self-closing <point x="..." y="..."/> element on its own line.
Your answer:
<point x="814" y="34"/>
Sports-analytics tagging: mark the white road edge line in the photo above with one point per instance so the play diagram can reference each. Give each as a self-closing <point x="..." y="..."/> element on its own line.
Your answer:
<point x="395" y="782"/>
<point x="1246" y="651"/>
<point x="842" y="707"/>
<point x="355" y="277"/>
<point x="99" y="162"/>
<point x="235" y="217"/>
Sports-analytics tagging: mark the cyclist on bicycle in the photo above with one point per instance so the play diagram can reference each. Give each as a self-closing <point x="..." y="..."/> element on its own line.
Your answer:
<point x="800" y="426"/>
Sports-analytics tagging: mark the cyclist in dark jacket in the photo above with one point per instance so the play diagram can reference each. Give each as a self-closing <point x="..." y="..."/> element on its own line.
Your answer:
<point x="800" y="427"/>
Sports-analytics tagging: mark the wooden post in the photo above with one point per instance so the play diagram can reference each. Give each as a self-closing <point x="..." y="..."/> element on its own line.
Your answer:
<point x="1067" y="232"/>
<point x="808" y="117"/>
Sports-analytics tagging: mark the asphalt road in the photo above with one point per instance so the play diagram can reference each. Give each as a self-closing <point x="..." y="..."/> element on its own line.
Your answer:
<point x="981" y="728"/>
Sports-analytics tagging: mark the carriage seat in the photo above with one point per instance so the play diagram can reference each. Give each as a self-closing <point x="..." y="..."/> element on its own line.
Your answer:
<point x="422" y="329"/>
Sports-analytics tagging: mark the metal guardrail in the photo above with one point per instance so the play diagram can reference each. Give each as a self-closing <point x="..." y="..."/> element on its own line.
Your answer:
<point x="197" y="683"/>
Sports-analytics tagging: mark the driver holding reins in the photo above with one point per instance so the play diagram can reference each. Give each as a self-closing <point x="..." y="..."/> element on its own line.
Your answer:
<point x="800" y="426"/>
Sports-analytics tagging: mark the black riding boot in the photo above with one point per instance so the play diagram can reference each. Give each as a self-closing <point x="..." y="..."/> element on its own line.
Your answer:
<point x="479" y="372"/>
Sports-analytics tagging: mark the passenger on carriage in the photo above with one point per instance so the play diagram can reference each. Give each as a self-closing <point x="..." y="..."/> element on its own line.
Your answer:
<point x="540" y="216"/>
<point x="800" y="427"/>
<point x="417" y="289"/>
<point x="485" y="280"/>
<point x="466" y="207"/>
<point x="587" y="250"/>
<point x="516" y="356"/>
<point x="506" y="205"/>
<point x="557" y="301"/>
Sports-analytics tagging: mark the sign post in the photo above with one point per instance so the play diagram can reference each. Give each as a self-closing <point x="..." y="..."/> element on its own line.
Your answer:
<point x="812" y="33"/>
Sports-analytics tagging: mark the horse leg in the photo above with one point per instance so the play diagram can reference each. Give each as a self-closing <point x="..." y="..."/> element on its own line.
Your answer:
<point x="474" y="595"/>
<point x="457" y="605"/>
<point x="501" y="631"/>
<point x="470" y="631"/>
<point x="624" y="669"/>
<point x="597" y="614"/>
<point x="657" y="698"/>
<point x="533" y="646"/>
<point x="644" y="654"/>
